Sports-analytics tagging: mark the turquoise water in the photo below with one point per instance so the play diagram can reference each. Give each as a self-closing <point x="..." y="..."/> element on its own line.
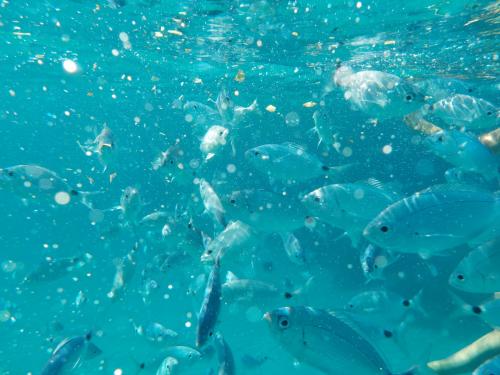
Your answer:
<point x="151" y="72"/>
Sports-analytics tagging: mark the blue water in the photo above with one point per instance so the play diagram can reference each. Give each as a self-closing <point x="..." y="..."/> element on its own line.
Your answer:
<point x="69" y="68"/>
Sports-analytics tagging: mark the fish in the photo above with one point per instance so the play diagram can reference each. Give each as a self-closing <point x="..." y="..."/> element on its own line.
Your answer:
<point x="491" y="367"/>
<point x="378" y="94"/>
<point x="51" y="269"/>
<point x="236" y="290"/>
<point x="434" y="221"/>
<point x="374" y="260"/>
<point x="235" y="238"/>
<point x="212" y="203"/>
<point x="38" y="185"/>
<point x="465" y="152"/>
<point x="381" y="307"/>
<point x="183" y="353"/>
<point x="466" y="111"/>
<point x="295" y="252"/>
<point x="125" y="269"/>
<point x="225" y="358"/>
<point x="325" y="340"/>
<point x="70" y="353"/>
<point x="467" y="359"/>
<point x="265" y="211"/>
<point x="289" y="162"/>
<point x="350" y="206"/>
<point x="213" y="141"/>
<point x="252" y="362"/>
<point x="232" y="114"/>
<point x="442" y="87"/>
<point x="325" y="128"/>
<point x="210" y="307"/>
<point x="80" y="299"/>
<point x="201" y="116"/>
<point x="174" y="165"/>
<point x="156" y="332"/>
<point x="130" y="206"/>
<point x="478" y="272"/>
<point x="103" y="146"/>
<point x="167" y="366"/>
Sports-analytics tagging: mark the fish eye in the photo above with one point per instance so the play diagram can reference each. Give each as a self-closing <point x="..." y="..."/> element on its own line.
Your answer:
<point x="10" y="173"/>
<point x="409" y="97"/>
<point x="387" y="333"/>
<point x="220" y="133"/>
<point x="406" y="303"/>
<point x="489" y="113"/>
<point x="351" y="306"/>
<point x="283" y="322"/>
<point x="316" y="199"/>
<point x="209" y="251"/>
<point x="288" y="295"/>
<point x="460" y="277"/>
<point x="440" y="138"/>
<point x="142" y="365"/>
<point x="232" y="201"/>
<point x="384" y="228"/>
<point x="171" y="162"/>
<point x="256" y="153"/>
<point x="477" y="310"/>
<point x="431" y="108"/>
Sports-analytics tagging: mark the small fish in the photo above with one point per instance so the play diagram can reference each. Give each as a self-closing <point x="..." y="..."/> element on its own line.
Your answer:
<point x="465" y="152"/>
<point x="201" y="116"/>
<point x="224" y="356"/>
<point x="210" y="307"/>
<point x="350" y="206"/>
<point x="183" y="353"/>
<point x="125" y="268"/>
<point x="433" y="221"/>
<point x="212" y="203"/>
<point x="466" y="111"/>
<point x="103" y="146"/>
<point x="325" y="340"/>
<point x="296" y="253"/>
<point x="80" y="299"/>
<point x="244" y="290"/>
<point x="491" y="367"/>
<point x="326" y="130"/>
<point x="235" y="237"/>
<point x="213" y="141"/>
<point x="288" y="162"/>
<point x="156" y="332"/>
<point x="69" y="354"/>
<point x="130" y="206"/>
<point x="479" y="272"/>
<point x="374" y="260"/>
<point x="51" y="269"/>
<point x="175" y="166"/>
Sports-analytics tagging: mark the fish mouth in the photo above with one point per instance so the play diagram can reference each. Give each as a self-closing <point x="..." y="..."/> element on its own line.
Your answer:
<point x="267" y="316"/>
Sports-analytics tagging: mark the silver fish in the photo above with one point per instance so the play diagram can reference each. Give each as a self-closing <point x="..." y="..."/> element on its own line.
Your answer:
<point x="479" y="272"/>
<point x="435" y="220"/>
<point x="69" y="354"/>
<point x="224" y="356"/>
<point x="325" y="340"/>
<point x="210" y="307"/>
<point x="51" y="269"/>
<point x="288" y="162"/>
<point x="212" y="203"/>
<point x="374" y="260"/>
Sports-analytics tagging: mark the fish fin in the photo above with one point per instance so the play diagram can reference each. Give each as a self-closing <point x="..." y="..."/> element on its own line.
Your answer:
<point x="411" y="371"/>
<point x="294" y="146"/>
<point x="92" y="351"/>
<point x="206" y="239"/>
<point x="209" y="156"/>
<point x="230" y="276"/>
<point x="340" y="170"/>
<point x="60" y="345"/>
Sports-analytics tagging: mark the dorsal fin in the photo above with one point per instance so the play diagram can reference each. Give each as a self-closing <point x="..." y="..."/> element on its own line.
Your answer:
<point x="294" y="146"/>
<point x="230" y="277"/>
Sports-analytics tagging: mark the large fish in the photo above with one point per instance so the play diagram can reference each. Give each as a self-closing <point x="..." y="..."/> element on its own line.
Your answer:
<point x="69" y="354"/>
<point x="326" y="341"/>
<point x="435" y="220"/>
<point x="465" y="152"/>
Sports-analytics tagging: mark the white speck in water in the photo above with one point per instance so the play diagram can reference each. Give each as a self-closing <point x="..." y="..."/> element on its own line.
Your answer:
<point x="188" y="324"/>
<point x="118" y="371"/>
<point x="347" y="152"/>
<point x="231" y="168"/>
<point x="62" y="198"/>
<point x="387" y="149"/>
<point x="70" y="66"/>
